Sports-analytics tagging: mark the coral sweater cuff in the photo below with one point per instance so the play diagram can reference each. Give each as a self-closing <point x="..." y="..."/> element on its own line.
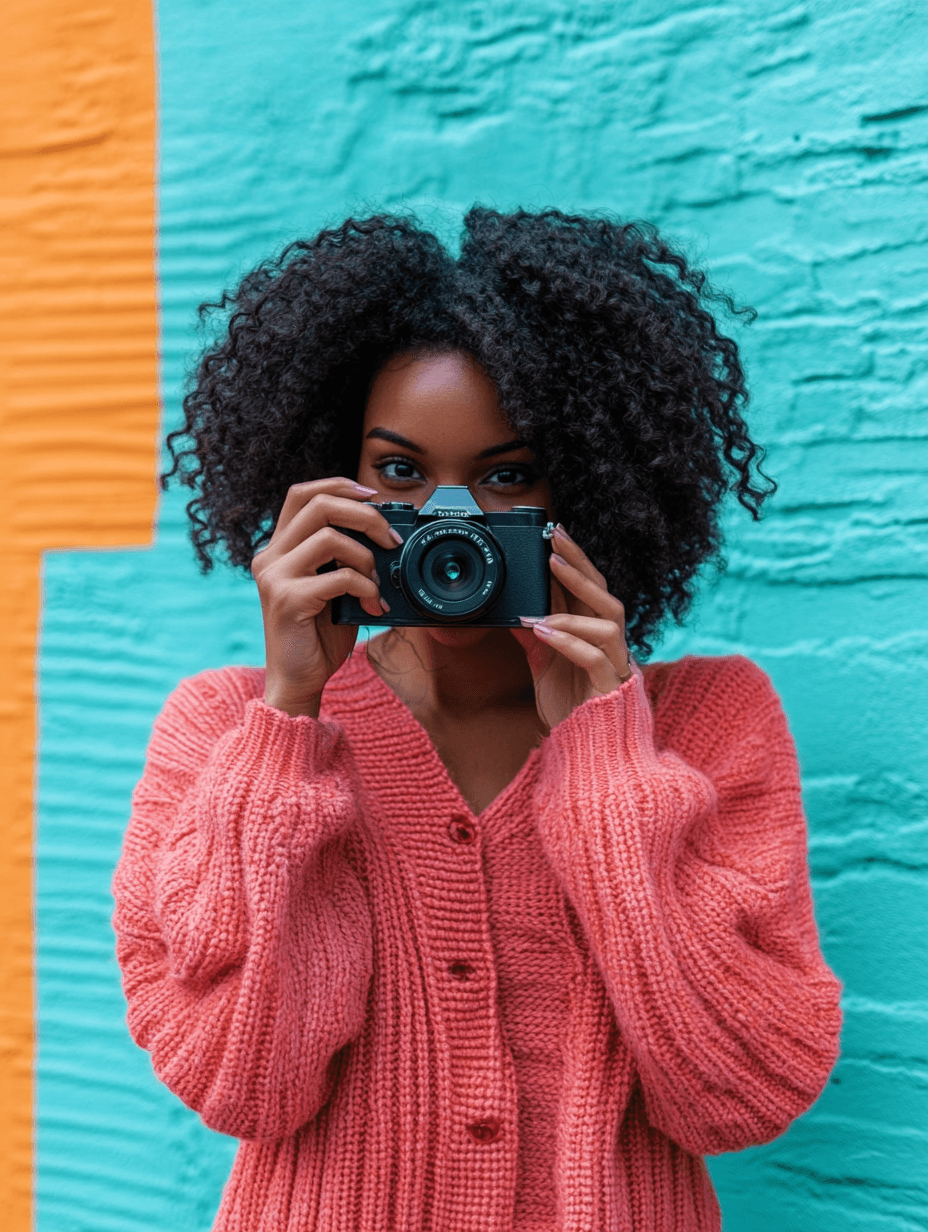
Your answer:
<point x="276" y="745"/>
<point x="613" y="730"/>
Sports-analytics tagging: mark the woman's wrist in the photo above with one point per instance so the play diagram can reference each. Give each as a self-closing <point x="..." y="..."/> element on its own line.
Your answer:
<point x="293" y="704"/>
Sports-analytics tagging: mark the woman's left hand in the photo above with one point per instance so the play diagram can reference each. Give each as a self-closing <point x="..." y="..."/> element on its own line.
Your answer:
<point x="579" y="651"/>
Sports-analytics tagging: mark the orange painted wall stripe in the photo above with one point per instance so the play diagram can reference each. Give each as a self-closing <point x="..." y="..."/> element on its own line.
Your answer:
<point x="78" y="403"/>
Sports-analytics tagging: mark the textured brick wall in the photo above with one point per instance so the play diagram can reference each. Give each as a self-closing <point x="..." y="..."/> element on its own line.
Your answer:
<point x="787" y="144"/>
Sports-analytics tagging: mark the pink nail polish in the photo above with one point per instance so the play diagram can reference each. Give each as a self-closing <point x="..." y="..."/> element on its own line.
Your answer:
<point x="359" y="487"/>
<point x="544" y="630"/>
<point x="397" y="537"/>
<point x="559" y="529"/>
<point x="560" y="559"/>
<point x="384" y="604"/>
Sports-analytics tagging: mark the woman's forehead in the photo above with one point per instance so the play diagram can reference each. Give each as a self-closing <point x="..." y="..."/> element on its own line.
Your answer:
<point x="437" y="400"/>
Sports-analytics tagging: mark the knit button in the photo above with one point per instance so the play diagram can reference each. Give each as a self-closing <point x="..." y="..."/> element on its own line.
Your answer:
<point x="462" y="831"/>
<point x="484" y="1131"/>
<point x="460" y="970"/>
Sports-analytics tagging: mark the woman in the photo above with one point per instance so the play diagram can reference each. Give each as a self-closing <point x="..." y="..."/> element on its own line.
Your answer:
<point x="478" y="928"/>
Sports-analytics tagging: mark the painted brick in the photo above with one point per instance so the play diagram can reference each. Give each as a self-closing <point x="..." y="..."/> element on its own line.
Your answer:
<point x="787" y="146"/>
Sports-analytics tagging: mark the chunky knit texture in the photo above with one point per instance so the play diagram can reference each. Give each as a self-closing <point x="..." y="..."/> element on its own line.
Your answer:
<point x="419" y="1020"/>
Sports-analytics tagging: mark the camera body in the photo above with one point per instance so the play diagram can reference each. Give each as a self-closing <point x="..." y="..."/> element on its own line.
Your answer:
<point x="457" y="565"/>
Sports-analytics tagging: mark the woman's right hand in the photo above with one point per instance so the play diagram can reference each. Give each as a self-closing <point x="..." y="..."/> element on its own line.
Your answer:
<point x="303" y="647"/>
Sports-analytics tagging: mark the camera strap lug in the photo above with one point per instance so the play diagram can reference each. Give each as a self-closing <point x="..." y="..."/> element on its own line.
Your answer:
<point x="548" y="532"/>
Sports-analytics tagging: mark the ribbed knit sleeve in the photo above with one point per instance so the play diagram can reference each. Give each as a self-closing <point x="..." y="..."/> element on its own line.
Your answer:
<point x="242" y="931"/>
<point x="687" y="870"/>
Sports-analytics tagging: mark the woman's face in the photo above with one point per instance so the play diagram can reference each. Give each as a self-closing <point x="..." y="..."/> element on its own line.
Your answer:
<point x="434" y="420"/>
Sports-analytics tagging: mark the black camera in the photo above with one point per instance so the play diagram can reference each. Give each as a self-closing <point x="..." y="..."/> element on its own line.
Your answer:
<point x="457" y="564"/>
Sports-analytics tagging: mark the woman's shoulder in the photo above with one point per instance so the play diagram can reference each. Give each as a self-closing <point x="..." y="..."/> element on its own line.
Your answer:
<point x="214" y="697"/>
<point x="709" y="690"/>
<point x="218" y="697"/>
<point x="734" y="671"/>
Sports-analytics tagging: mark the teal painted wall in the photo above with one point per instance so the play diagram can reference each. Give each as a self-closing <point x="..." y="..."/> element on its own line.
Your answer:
<point x="785" y="143"/>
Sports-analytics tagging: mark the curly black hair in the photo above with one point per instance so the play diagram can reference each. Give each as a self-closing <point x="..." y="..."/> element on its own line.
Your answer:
<point x="595" y="332"/>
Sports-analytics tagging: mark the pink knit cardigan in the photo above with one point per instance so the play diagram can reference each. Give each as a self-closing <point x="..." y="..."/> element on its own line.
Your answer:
<point x="419" y="1020"/>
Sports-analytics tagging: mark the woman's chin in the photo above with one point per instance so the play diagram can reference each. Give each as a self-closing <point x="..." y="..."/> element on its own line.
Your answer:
<point x="461" y="638"/>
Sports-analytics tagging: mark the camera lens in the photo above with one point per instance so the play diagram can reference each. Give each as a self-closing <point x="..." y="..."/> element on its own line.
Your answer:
<point x="451" y="570"/>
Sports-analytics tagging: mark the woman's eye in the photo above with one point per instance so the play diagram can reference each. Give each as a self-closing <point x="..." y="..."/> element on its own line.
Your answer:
<point x="398" y="468"/>
<point x="508" y="476"/>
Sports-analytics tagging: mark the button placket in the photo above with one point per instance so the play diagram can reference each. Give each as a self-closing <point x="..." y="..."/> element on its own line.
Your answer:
<point x="468" y="976"/>
<point x="462" y="832"/>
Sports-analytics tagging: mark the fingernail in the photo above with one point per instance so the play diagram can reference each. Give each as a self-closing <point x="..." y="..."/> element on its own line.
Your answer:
<point x="384" y="604"/>
<point x="376" y="576"/>
<point x="559" y="530"/>
<point x="530" y="620"/>
<point x="395" y="535"/>
<point x="544" y="630"/>
<point x="359" y="487"/>
<point x="560" y="559"/>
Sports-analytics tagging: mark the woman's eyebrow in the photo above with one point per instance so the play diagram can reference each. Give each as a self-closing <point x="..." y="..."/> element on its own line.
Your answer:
<point x="385" y="434"/>
<point x="504" y="448"/>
